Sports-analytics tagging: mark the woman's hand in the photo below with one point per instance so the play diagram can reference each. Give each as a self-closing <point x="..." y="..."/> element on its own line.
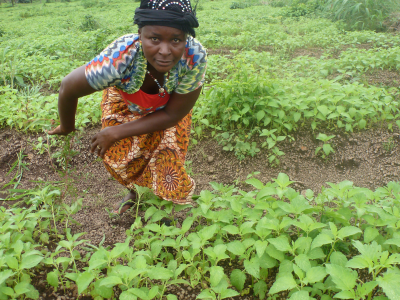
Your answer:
<point x="59" y="131"/>
<point x="102" y="141"/>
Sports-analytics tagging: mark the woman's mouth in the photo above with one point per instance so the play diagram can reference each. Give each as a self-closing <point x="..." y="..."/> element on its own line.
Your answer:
<point x="163" y="63"/>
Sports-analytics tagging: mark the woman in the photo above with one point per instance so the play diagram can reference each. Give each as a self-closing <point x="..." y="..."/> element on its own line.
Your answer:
<point x="151" y="81"/>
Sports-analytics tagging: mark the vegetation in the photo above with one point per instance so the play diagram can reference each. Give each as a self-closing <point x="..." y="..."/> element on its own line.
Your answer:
<point x="258" y="93"/>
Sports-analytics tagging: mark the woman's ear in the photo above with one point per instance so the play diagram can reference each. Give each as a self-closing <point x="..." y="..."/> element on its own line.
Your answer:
<point x="140" y="33"/>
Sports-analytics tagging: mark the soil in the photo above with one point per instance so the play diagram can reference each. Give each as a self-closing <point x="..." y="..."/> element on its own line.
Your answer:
<point x="370" y="159"/>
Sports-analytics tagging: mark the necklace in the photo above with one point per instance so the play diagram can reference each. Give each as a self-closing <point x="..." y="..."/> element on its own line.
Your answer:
<point x="161" y="89"/>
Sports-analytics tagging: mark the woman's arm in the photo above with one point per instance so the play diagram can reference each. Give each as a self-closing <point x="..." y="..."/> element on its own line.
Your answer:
<point x="73" y="86"/>
<point x="178" y="106"/>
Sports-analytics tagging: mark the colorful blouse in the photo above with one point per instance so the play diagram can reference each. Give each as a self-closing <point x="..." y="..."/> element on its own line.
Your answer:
<point x="123" y="65"/>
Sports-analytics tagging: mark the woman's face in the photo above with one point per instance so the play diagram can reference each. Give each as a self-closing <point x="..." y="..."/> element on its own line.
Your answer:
<point x="162" y="46"/>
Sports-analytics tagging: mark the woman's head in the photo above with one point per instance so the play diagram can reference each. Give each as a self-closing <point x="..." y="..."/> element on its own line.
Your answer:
<point x="162" y="46"/>
<point x="163" y="29"/>
<point x="171" y="13"/>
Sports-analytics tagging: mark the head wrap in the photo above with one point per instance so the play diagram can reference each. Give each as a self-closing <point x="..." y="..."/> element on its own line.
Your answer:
<point x="172" y="13"/>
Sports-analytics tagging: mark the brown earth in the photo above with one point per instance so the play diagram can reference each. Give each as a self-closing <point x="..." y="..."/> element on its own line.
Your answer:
<point x="370" y="159"/>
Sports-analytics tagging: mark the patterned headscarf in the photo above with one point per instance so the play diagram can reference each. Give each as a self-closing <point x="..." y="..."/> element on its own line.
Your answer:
<point x="172" y="13"/>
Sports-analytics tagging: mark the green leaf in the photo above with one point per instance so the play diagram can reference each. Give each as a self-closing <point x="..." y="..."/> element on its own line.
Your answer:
<point x="171" y="297"/>
<point x="253" y="267"/>
<point x="357" y="262"/>
<point x="267" y="191"/>
<point x="370" y="234"/>
<point x="228" y="293"/>
<point x="348" y="231"/>
<point x="323" y="109"/>
<point x="316" y="274"/>
<point x="260" y="289"/>
<point x="395" y="242"/>
<point x="303" y="262"/>
<point x="260" y="247"/>
<point x="260" y="114"/>
<point x="28" y="262"/>
<point x="110" y="281"/>
<point x="7" y="291"/>
<point x="338" y="258"/>
<point x="344" y="278"/>
<point x="216" y="274"/>
<point x="236" y="247"/>
<point x="153" y="292"/>
<point x="83" y="281"/>
<point x="300" y="295"/>
<point x="159" y="273"/>
<point x="345" y="295"/>
<point x="231" y="229"/>
<point x="321" y="239"/>
<point x="127" y="295"/>
<point x="389" y="283"/>
<point x="275" y="253"/>
<point x="238" y="279"/>
<point x="283" y="283"/>
<point x="12" y="262"/>
<point x="52" y="278"/>
<point x="206" y="294"/>
<point x="21" y="288"/>
<point x="281" y="243"/>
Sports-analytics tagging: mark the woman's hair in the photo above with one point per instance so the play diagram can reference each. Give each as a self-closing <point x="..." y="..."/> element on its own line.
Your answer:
<point x="172" y="13"/>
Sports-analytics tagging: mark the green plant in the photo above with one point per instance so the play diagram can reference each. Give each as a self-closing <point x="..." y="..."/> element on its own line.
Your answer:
<point x="365" y="14"/>
<point x="389" y="145"/>
<point x="326" y="147"/>
<point x="19" y="166"/>
<point x="89" y="23"/>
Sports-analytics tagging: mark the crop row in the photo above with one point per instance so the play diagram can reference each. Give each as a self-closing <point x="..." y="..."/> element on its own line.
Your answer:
<point x="315" y="244"/>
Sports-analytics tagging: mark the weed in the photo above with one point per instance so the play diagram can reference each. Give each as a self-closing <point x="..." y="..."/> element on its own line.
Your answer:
<point x="89" y="23"/>
<point x="326" y="147"/>
<point x="389" y="145"/>
<point x="365" y="14"/>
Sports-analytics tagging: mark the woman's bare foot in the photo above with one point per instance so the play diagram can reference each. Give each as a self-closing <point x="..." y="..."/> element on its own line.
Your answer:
<point x="128" y="201"/>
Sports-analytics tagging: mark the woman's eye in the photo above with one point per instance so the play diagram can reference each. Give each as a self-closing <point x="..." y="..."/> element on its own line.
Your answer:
<point x="177" y="40"/>
<point x="154" y="39"/>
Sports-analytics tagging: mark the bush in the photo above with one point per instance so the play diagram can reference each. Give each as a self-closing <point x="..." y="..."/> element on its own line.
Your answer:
<point x="278" y="3"/>
<point x="237" y="5"/>
<point x="300" y="8"/>
<point x="362" y="14"/>
<point x="89" y="23"/>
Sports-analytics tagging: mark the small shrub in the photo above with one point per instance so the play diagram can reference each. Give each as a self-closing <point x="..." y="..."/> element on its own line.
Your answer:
<point x="25" y="14"/>
<point x="278" y="3"/>
<point x="89" y="23"/>
<point x="300" y="8"/>
<point x="237" y="5"/>
<point x="89" y="3"/>
<point x="362" y="14"/>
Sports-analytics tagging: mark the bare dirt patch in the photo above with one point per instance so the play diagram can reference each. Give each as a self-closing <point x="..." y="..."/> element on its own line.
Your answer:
<point x="383" y="78"/>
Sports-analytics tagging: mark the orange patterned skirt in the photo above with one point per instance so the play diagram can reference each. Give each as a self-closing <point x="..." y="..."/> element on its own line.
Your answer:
<point x="155" y="160"/>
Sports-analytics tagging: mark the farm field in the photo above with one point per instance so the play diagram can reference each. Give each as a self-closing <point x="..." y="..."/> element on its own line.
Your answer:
<point x="295" y="153"/>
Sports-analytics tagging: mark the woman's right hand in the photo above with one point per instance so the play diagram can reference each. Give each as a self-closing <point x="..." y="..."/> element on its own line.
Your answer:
<point x="59" y="131"/>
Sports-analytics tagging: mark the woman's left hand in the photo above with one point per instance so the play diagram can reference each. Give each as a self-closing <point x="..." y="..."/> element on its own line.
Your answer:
<point x="102" y="141"/>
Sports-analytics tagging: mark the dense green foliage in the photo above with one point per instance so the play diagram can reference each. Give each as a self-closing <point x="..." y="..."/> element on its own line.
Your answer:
<point x="365" y="14"/>
<point x="258" y="87"/>
<point x="307" y="239"/>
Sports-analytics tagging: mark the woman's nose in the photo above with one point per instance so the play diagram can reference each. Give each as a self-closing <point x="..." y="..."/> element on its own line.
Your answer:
<point x="164" y="49"/>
